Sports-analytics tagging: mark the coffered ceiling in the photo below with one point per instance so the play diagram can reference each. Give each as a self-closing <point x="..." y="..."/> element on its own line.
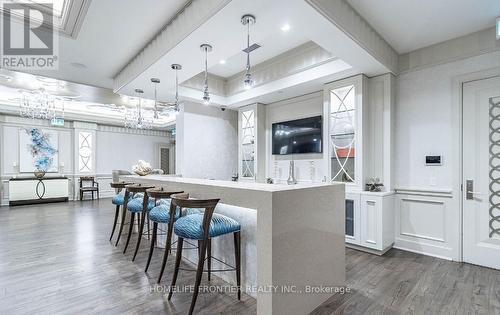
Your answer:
<point x="111" y="34"/>
<point x="412" y="24"/>
<point x="115" y="47"/>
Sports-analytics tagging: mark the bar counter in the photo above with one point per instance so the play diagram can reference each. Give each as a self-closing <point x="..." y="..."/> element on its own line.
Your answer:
<point x="293" y="253"/>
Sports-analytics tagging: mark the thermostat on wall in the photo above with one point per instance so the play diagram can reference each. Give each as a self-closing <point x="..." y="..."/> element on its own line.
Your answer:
<point x="433" y="160"/>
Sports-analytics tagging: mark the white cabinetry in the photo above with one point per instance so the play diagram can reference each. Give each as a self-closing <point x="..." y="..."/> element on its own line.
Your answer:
<point x="373" y="221"/>
<point x="358" y="116"/>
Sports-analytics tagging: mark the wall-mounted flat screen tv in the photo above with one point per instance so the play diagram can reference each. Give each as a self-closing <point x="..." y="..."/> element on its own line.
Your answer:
<point x="298" y="136"/>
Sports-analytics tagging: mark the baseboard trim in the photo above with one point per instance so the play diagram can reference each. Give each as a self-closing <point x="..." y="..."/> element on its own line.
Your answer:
<point x="424" y="249"/>
<point x="369" y="250"/>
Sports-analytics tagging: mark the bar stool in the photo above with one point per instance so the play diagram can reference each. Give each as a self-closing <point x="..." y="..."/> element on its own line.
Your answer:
<point x="202" y="227"/>
<point x="138" y="191"/>
<point x="117" y="200"/>
<point x="160" y="214"/>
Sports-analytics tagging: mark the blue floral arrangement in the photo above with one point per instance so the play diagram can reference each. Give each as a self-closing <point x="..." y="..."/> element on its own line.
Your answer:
<point x="41" y="149"/>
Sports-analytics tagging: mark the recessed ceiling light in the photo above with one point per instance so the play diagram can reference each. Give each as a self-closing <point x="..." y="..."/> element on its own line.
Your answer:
<point x="222" y="62"/>
<point x="285" y="27"/>
<point x="78" y="65"/>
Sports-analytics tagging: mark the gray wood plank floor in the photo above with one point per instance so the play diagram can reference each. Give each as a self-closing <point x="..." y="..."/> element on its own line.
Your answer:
<point x="401" y="282"/>
<point x="56" y="259"/>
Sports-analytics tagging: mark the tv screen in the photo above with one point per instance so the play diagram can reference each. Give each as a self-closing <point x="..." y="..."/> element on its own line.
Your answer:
<point x="298" y="136"/>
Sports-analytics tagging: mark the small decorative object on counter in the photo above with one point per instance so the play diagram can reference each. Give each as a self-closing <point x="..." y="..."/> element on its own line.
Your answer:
<point x="291" y="174"/>
<point x="39" y="173"/>
<point x="142" y="168"/>
<point x="374" y="185"/>
<point x="234" y="178"/>
<point x="269" y="180"/>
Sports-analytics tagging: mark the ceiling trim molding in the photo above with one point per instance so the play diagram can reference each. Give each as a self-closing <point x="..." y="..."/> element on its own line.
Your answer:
<point x="463" y="47"/>
<point x="191" y="17"/>
<point x="298" y="59"/>
<point x="217" y="84"/>
<point x="344" y="17"/>
<point x="301" y="58"/>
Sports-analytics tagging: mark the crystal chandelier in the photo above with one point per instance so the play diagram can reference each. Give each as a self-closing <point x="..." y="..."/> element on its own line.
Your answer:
<point x="248" y="20"/>
<point x="206" y="95"/>
<point x="135" y="118"/>
<point x="37" y="104"/>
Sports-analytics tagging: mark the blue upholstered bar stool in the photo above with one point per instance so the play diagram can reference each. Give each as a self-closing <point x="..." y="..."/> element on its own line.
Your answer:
<point x="140" y="207"/>
<point x="118" y="201"/>
<point x="139" y="196"/>
<point x="202" y="227"/>
<point x="160" y="214"/>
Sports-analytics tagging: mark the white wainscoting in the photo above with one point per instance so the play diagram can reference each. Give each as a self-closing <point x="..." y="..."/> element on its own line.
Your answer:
<point x="425" y="222"/>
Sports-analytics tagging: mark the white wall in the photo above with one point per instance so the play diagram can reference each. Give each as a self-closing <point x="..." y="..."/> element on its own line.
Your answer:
<point x="427" y="109"/>
<point x="308" y="167"/>
<point x="115" y="148"/>
<point x="128" y="147"/>
<point x="207" y="141"/>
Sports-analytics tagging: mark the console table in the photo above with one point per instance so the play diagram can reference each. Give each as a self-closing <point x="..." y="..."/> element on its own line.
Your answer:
<point x="31" y="190"/>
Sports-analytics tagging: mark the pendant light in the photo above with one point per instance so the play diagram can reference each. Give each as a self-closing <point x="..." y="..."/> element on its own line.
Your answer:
<point x="175" y="105"/>
<point x="206" y="95"/>
<point x="155" y="111"/>
<point x="248" y="20"/>
<point x="140" y="118"/>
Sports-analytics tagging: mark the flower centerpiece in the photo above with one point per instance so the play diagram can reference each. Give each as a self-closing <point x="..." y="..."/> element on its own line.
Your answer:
<point x="142" y="168"/>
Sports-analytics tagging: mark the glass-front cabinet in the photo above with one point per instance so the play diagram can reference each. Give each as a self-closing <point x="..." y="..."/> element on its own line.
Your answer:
<point x="248" y="144"/>
<point x="251" y="142"/>
<point x="343" y="133"/>
<point x="357" y="112"/>
<point x="344" y="113"/>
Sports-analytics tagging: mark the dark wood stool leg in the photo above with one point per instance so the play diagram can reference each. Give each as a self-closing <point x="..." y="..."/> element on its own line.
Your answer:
<point x="178" y="257"/>
<point x="168" y="247"/>
<point x="237" y="258"/>
<point x="142" y="217"/>
<point x="209" y="257"/>
<point x="114" y="222"/>
<point x="147" y="216"/>
<point x="124" y="213"/>
<point x="152" y="246"/>
<point x="131" y="227"/>
<point x="199" y="273"/>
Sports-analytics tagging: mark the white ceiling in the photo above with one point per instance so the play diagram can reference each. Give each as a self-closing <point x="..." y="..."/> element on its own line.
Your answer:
<point x="408" y="25"/>
<point x="225" y="32"/>
<point x="112" y="33"/>
<point x="273" y="42"/>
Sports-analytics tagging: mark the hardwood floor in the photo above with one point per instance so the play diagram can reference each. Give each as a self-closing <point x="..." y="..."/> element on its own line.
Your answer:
<point x="401" y="282"/>
<point x="56" y="259"/>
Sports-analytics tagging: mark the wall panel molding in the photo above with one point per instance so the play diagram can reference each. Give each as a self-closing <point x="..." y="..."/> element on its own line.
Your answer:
<point x="470" y="45"/>
<point x="117" y="129"/>
<point x="429" y="192"/>
<point x="424" y="223"/>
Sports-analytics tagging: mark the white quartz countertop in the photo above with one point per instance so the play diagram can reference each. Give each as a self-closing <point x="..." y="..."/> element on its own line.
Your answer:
<point x="227" y="184"/>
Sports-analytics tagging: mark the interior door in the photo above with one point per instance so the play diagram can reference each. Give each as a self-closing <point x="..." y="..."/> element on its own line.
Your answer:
<point x="481" y="172"/>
